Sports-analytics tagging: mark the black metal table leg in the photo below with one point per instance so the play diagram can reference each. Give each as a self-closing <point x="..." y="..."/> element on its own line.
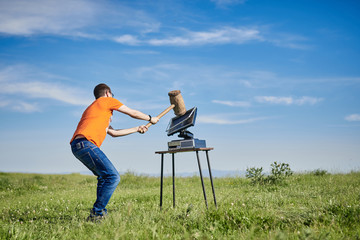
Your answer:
<point x="173" y="151"/>
<point x="161" y="180"/>
<point x="202" y="181"/>
<point x="173" y="177"/>
<point x="211" y="180"/>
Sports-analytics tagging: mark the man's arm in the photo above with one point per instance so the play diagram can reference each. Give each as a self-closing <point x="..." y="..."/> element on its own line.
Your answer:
<point x="123" y="132"/>
<point x="137" y="114"/>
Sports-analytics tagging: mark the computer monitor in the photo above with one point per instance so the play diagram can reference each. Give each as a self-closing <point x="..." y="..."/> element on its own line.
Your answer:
<point x="179" y="124"/>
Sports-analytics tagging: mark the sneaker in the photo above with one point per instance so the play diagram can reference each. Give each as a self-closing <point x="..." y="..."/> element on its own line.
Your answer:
<point x="93" y="217"/>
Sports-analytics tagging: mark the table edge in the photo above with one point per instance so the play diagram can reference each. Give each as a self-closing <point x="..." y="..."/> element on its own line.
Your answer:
<point x="184" y="150"/>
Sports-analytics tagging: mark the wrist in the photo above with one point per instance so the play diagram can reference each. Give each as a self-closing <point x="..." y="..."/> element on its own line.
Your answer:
<point x="149" y="118"/>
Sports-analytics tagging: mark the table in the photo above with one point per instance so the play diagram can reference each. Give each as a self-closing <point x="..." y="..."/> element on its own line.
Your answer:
<point x="173" y="152"/>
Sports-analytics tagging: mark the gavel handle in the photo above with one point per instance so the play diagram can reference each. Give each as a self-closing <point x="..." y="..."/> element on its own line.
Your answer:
<point x="162" y="113"/>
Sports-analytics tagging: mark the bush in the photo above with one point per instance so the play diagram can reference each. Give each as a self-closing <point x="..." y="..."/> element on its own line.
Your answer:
<point x="319" y="172"/>
<point x="255" y="174"/>
<point x="279" y="171"/>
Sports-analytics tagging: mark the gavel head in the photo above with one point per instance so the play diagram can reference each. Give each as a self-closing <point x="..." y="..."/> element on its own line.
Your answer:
<point x="177" y="100"/>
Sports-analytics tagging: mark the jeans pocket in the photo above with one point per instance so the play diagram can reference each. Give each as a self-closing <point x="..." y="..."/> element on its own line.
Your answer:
<point x="85" y="156"/>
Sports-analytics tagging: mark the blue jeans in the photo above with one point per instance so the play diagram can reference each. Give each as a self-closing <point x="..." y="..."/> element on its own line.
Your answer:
<point x="97" y="162"/>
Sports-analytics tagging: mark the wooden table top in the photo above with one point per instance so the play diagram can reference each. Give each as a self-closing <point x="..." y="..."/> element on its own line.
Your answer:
<point x="184" y="150"/>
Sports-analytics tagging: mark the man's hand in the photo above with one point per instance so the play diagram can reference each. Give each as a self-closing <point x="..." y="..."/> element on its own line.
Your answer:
<point x="154" y="120"/>
<point x="142" y="129"/>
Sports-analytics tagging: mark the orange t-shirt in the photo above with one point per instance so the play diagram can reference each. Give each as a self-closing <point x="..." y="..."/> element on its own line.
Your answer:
<point x="96" y="119"/>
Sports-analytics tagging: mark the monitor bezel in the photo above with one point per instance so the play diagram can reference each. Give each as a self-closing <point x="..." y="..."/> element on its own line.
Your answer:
<point x="188" y="113"/>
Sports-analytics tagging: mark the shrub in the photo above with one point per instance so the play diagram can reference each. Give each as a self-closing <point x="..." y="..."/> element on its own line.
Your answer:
<point x="255" y="175"/>
<point x="279" y="171"/>
<point x="319" y="172"/>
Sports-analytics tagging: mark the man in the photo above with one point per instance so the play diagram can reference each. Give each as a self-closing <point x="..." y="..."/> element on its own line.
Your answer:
<point x="88" y="137"/>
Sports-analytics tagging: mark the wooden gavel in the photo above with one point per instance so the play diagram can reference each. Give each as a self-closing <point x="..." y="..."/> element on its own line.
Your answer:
<point x="177" y="103"/>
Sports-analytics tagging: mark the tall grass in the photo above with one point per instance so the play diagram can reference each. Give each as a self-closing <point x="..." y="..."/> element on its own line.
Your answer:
<point x="304" y="206"/>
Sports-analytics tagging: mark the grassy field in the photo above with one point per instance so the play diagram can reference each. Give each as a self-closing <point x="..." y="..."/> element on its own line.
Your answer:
<point x="304" y="206"/>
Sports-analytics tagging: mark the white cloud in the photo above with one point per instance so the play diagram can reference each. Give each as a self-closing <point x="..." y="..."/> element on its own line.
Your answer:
<point x="36" y="89"/>
<point x="288" y="100"/>
<point x="353" y="118"/>
<point x="127" y="39"/>
<point x="224" y="35"/>
<point x="103" y="20"/>
<point x="20" y="106"/>
<point x="26" y="107"/>
<point x="18" y="82"/>
<point x="288" y="40"/>
<point x="218" y="36"/>
<point x="225" y="3"/>
<point x="140" y="52"/>
<point x="233" y="103"/>
<point x="79" y="18"/>
<point x="307" y="100"/>
<point x="221" y="120"/>
<point x="275" y="100"/>
<point x="4" y="103"/>
<point x="22" y="17"/>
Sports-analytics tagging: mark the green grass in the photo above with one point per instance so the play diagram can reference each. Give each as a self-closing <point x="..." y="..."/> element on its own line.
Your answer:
<point x="304" y="206"/>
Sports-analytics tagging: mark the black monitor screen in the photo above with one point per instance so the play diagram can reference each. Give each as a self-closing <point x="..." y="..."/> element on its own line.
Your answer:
<point x="182" y="122"/>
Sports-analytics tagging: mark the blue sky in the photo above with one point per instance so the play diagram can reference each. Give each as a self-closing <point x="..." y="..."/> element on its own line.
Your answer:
<point x="272" y="80"/>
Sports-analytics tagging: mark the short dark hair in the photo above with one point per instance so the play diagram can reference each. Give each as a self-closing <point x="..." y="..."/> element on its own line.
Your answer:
<point x="100" y="90"/>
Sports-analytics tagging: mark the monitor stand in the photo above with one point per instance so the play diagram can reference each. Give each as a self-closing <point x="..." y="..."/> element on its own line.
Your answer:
<point x="185" y="134"/>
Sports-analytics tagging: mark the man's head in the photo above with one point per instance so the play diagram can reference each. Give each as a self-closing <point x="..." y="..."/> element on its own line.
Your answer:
<point x="102" y="90"/>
